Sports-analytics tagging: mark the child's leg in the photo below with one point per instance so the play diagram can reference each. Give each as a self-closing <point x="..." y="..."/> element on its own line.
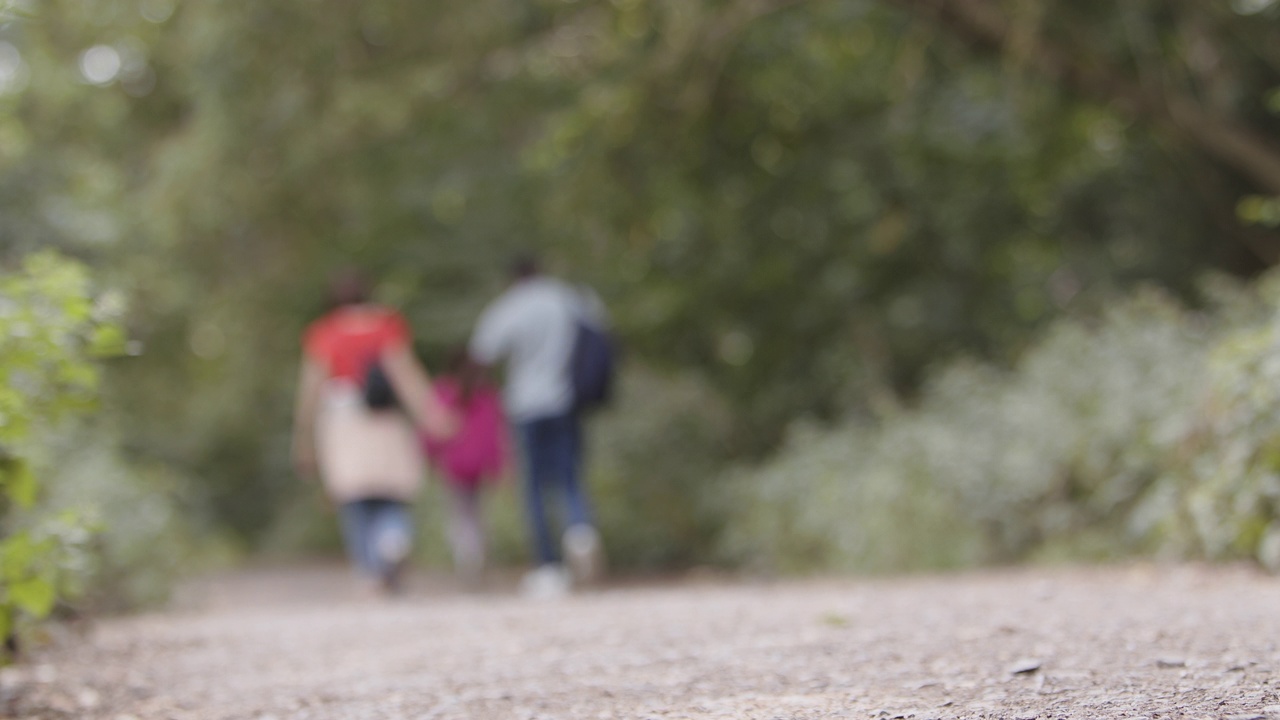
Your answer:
<point x="466" y="531"/>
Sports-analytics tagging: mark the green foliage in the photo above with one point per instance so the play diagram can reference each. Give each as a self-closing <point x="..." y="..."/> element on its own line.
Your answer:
<point x="803" y="205"/>
<point x="849" y="179"/>
<point x="40" y="566"/>
<point x="49" y="333"/>
<point x="50" y="329"/>
<point x="149" y="528"/>
<point x="1232" y="481"/>
<point x="1260" y="211"/>
<point x="1149" y="429"/>
<point x="653" y="461"/>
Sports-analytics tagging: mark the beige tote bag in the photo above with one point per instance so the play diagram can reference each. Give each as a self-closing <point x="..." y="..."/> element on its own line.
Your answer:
<point x="364" y="453"/>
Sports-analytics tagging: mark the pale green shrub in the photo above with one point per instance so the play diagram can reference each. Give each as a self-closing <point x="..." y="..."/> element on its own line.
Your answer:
<point x="1148" y="428"/>
<point x="146" y="531"/>
<point x="1230" y="479"/>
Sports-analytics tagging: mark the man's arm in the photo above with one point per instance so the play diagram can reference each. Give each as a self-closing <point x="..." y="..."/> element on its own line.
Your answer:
<point x="489" y="343"/>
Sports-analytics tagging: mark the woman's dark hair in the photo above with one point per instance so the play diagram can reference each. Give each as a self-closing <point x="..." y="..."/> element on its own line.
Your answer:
<point x="348" y="287"/>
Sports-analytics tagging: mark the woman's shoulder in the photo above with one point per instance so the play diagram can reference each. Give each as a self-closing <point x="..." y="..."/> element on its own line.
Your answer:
<point x="319" y="331"/>
<point x="362" y="319"/>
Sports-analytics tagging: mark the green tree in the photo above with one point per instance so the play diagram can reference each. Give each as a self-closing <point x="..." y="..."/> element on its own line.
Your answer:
<point x="805" y="203"/>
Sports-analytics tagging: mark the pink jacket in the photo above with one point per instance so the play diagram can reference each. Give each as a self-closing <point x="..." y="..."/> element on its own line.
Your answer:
<point x="479" y="451"/>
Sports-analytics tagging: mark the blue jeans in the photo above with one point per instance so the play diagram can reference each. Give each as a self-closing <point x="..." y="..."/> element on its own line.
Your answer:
<point x="553" y="458"/>
<point x="368" y="526"/>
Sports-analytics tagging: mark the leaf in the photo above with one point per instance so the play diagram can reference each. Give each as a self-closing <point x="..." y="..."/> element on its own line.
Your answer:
<point x="34" y="595"/>
<point x="20" y="484"/>
<point x="79" y="375"/>
<point x="18" y="554"/>
<point x="6" y="627"/>
<point x="107" y="341"/>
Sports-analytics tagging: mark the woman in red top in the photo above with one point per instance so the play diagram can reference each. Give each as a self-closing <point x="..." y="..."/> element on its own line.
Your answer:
<point x="367" y="457"/>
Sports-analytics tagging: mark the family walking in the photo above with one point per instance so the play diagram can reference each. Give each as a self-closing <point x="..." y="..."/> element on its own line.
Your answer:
<point x="368" y="418"/>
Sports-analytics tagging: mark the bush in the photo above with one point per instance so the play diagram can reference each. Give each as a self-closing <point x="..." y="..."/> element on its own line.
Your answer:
<point x="145" y="526"/>
<point x="48" y="333"/>
<point x="1148" y="428"/>
<point x="77" y="523"/>
<point x="653" y="465"/>
<point x="1229" y="477"/>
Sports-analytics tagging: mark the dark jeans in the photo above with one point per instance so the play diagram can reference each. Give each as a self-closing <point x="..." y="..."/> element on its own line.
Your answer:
<point x="553" y="458"/>
<point x="368" y="527"/>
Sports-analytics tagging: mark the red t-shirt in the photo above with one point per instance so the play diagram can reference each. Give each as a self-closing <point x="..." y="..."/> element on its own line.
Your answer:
<point x="348" y="340"/>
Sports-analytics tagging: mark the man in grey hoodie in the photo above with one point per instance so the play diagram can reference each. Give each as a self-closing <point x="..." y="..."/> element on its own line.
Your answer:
<point x="531" y="328"/>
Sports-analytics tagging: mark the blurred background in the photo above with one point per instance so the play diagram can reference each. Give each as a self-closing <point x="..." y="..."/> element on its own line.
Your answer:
<point x="902" y="284"/>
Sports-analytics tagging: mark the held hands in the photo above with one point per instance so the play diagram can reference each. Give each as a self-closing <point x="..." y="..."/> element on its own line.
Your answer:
<point x="439" y="422"/>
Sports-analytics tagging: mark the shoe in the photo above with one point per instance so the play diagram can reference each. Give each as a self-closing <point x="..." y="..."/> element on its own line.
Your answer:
<point x="584" y="553"/>
<point x="468" y="559"/>
<point x="393" y="551"/>
<point x="546" y="582"/>
<point x="469" y="569"/>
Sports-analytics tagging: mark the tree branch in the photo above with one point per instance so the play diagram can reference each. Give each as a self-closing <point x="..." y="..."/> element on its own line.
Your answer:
<point x="983" y="24"/>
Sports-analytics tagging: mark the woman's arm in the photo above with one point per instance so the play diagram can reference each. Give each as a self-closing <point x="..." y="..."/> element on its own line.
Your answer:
<point x="310" y="381"/>
<point x="413" y="387"/>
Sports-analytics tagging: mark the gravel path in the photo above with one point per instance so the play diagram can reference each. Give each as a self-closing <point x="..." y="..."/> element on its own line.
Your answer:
<point x="1153" y="642"/>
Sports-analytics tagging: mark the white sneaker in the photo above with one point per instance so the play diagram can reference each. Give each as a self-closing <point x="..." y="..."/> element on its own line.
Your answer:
<point x="547" y="582"/>
<point x="584" y="553"/>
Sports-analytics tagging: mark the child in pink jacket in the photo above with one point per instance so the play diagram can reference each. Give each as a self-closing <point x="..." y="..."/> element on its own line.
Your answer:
<point x="475" y="456"/>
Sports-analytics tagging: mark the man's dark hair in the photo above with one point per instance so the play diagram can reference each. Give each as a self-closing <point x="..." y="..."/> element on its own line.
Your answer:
<point x="524" y="266"/>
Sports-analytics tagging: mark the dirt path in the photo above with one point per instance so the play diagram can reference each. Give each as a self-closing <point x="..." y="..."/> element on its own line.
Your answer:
<point x="1180" y="642"/>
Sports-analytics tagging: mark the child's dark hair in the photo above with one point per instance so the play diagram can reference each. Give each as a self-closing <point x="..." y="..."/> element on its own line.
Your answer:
<point x="469" y="375"/>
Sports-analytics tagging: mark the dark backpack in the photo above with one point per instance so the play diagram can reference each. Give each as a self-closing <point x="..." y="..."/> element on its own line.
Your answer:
<point x="592" y="367"/>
